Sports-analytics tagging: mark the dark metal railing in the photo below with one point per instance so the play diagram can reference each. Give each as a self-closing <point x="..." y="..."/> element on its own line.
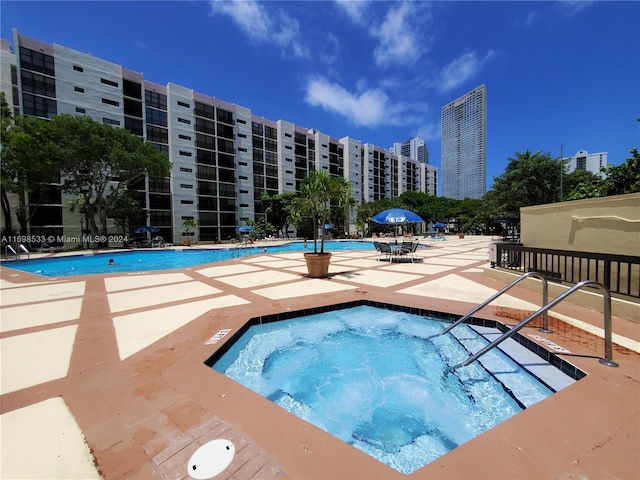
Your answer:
<point x="619" y="273"/>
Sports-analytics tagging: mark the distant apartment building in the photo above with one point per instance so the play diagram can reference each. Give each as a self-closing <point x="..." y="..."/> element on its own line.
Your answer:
<point x="416" y="149"/>
<point x="223" y="157"/>
<point x="584" y="160"/>
<point x="463" y="147"/>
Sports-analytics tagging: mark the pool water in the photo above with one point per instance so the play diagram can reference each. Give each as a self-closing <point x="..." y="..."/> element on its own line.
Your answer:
<point x="160" y="259"/>
<point x="375" y="379"/>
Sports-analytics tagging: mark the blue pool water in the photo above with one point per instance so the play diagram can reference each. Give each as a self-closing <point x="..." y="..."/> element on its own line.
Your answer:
<point x="159" y="259"/>
<point x="373" y="378"/>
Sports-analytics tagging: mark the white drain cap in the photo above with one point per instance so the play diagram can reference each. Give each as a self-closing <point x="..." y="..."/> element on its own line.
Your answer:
<point x="211" y="459"/>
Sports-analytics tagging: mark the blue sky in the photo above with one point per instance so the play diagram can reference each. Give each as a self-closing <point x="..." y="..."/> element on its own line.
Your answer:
<point x="557" y="73"/>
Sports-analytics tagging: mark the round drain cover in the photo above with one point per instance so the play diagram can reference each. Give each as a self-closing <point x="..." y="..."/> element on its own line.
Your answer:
<point x="211" y="459"/>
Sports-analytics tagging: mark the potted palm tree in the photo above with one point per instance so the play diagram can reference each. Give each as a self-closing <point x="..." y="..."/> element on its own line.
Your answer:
<point x="319" y="194"/>
<point x="187" y="225"/>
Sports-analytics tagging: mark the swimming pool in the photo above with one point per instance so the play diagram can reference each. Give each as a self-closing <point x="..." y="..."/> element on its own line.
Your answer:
<point x="160" y="259"/>
<point x="375" y="379"/>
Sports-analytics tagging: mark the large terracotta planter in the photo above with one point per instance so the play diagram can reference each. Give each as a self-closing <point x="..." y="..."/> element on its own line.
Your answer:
<point x="318" y="264"/>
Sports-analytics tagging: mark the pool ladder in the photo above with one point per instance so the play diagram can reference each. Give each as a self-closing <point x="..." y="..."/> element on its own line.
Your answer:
<point x="608" y="347"/>
<point x="246" y="246"/>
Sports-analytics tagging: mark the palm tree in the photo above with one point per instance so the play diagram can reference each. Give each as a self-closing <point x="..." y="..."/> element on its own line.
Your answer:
<point x="321" y="197"/>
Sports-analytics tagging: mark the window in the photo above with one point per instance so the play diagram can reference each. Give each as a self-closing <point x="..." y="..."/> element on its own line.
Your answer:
<point x="110" y="121"/>
<point x="204" y="110"/>
<point x="134" y="126"/>
<point x="185" y="169"/>
<point x="154" y="99"/>
<point x="205" y="126"/>
<point x="80" y="110"/>
<point x="133" y="107"/>
<point x="206" y="157"/>
<point x="156" y="117"/>
<point x="184" y="137"/>
<point x="185" y="154"/>
<point x="183" y="104"/>
<point x="186" y="202"/>
<point x="78" y="68"/>
<point x="157" y="134"/>
<point x="111" y="83"/>
<point x="225" y="116"/>
<point x="205" y="141"/>
<point x="131" y="89"/>
<point x="110" y="102"/>
<point x="39" y="106"/>
<point x="225" y="146"/>
<point x="79" y="89"/>
<point x="37" y="61"/>
<point x="225" y="131"/>
<point x="38" y="84"/>
<point x="186" y="185"/>
<point x="184" y="120"/>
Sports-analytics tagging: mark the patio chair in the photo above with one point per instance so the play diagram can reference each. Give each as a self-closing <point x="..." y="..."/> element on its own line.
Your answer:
<point x="385" y="249"/>
<point x="408" y="249"/>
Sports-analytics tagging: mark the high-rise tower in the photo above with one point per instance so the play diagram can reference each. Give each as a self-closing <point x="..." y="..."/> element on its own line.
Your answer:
<point x="463" y="151"/>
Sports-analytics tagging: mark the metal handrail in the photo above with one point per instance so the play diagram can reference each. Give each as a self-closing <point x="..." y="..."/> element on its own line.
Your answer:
<point x="545" y="298"/>
<point x="608" y="347"/>
<point x="245" y="244"/>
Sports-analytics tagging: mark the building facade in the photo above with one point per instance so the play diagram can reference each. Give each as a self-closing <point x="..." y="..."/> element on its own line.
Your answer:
<point x="591" y="162"/>
<point x="463" y="150"/>
<point x="416" y="149"/>
<point x="223" y="157"/>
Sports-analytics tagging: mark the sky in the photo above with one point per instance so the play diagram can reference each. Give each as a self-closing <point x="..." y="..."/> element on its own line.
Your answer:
<point x="560" y="75"/>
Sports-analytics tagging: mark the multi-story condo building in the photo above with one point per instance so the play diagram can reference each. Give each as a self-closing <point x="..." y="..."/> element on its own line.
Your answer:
<point x="463" y="157"/>
<point x="223" y="156"/>
<point x="584" y="160"/>
<point x="416" y="149"/>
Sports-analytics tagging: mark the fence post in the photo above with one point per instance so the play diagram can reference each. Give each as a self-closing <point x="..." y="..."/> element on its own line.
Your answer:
<point x="607" y="274"/>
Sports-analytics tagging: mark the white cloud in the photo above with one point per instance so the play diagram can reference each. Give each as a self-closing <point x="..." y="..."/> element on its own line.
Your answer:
<point x="430" y="132"/>
<point x="356" y="10"/>
<point x="461" y="69"/>
<point x="399" y="40"/>
<point x="262" y="25"/>
<point x="368" y="107"/>
<point x="573" y="7"/>
<point x="364" y="109"/>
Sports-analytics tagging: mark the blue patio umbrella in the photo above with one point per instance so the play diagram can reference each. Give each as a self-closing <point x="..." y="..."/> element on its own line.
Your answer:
<point x="245" y="228"/>
<point x="327" y="226"/>
<point x="397" y="216"/>
<point x="439" y="225"/>
<point x="146" y="229"/>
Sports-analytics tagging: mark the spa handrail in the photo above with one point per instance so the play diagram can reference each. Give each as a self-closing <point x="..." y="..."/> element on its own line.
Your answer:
<point x="545" y="298"/>
<point x="608" y="348"/>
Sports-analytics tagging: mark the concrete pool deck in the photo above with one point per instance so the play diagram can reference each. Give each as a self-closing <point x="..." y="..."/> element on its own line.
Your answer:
<point x="104" y="375"/>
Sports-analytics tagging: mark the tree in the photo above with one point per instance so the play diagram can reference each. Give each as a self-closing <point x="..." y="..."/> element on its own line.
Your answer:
<point x="321" y="195"/>
<point x="529" y="179"/>
<point x="624" y="178"/>
<point x="278" y="209"/>
<point x="618" y="180"/>
<point x="6" y="120"/>
<point x="26" y="168"/>
<point x="127" y="212"/>
<point x="99" y="162"/>
<point x="582" y="184"/>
